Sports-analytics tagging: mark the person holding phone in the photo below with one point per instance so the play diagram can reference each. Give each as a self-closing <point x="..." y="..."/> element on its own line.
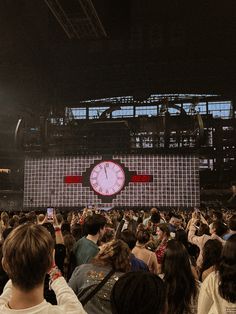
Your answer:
<point x="50" y="213"/>
<point x="51" y="223"/>
<point x="60" y="252"/>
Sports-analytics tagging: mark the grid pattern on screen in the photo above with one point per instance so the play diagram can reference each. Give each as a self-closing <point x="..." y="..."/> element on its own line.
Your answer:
<point x="175" y="181"/>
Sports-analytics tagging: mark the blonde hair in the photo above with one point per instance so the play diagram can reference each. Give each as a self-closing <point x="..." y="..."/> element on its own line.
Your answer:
<point x="28" y="255"/>
<point x="4" y="218"/>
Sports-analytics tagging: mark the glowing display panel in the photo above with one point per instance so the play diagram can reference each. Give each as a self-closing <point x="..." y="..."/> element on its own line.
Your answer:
<point x="155" y="180"/>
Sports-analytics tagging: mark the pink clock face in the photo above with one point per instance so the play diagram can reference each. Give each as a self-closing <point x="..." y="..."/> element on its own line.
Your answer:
<point x="107" y="178"/>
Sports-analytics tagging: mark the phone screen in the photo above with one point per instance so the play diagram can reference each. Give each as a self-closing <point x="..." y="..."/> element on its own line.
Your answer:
<point x="50" y="213"/>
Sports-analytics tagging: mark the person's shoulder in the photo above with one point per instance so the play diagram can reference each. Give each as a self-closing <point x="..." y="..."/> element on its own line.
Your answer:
<point x="90" y="245"/>
<point x="84" y="242"/>
<point x="138" y="264"/>
<point x="60" y="309"/>
<point x="227" y="236"/>
<point x="153" y="254"/>
<point x="87" y="241"/>
<point x="78" y="242"/>
<point x="2" y="307"/>
<point x="215" y="236"/>
<point x="204" y="238"/>
<point x="82" y="269"/>
<point x="212" y="276"/>
<point x="81" y="240"/>
<point x="211" y="281"/>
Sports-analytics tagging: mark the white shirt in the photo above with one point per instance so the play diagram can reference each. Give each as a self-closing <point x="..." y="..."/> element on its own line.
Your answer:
<point x="210" y="301"/>
<point x="66" y="299"/>
<point x="125" y="225"/>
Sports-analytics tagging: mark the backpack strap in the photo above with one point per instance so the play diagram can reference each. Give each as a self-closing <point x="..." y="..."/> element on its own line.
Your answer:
<point x="97" y="288"/>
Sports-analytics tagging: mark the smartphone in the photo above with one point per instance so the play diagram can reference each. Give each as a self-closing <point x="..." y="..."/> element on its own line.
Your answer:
<point x="50" y="213"/>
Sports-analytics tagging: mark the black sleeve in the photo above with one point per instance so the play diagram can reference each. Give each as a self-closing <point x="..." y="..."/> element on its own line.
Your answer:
<point x="60" y="254"/>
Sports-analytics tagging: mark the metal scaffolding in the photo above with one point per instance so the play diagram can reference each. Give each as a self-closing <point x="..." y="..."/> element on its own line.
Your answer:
<point x="81" y="23"/>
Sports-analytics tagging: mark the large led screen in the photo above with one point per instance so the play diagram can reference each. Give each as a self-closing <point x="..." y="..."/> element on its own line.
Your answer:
<point x="118" y="180"/>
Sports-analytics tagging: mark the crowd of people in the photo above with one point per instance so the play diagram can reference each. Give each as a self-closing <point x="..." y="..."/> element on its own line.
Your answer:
<point x="118" y="261"/>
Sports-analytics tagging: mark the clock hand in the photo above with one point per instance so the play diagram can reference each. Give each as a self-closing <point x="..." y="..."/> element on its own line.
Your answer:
<point x="105" y="171"/>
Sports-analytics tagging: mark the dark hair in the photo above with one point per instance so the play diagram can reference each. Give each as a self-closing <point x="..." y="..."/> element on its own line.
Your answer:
<point x="128" y="237"/>
<point x="94" y="223"/>
<point x="179" y="281"/>
<point x="59" y="218"/>
<point x="211" y="254"/>
<point x="182" y="237"/>
<point x="143" y="236"/>
<point x="23" y="219"/>
<point x="138" y="292"/>
<point x="220" y="227"/>
<point x="227" y="270"/>
<point x="172" y="214"/>
<point x="232" y="223"/>
<point x="6" y="232"/>
<point x="11" y="222"/>
<point x="69" y="242"/>
<point x="32" y="217"/>
<point x="108" y="235"/>
<point x="164" y="227"/>
<point x="50" y="229"/>
<point x="76" y="231"/>
<point x="155" y="218"/>
<point x="65" y="228"/>
<point x="177" y="216"/>
<point x="218" y="214"/>
<point x="192" y="249"/>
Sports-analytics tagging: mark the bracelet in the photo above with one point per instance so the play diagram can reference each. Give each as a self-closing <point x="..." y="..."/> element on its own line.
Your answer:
<point x="54" y="270"/>
<point x="54" y="273"/>
<point x="55" y="276"/>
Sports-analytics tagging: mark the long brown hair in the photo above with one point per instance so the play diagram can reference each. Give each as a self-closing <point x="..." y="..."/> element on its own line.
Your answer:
<point x="179" y="281"/>
<point x="227" y="270"/>
<point x="115" y="254"/>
